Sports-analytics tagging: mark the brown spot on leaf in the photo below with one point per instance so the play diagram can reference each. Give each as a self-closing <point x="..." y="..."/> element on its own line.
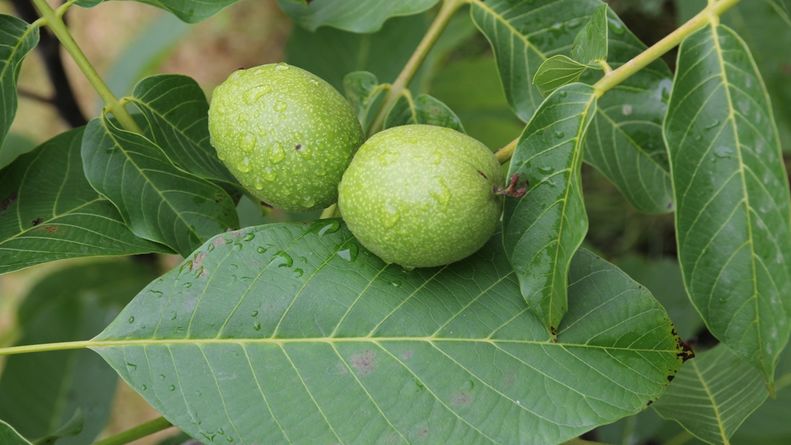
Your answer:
<point x="364" y="362"/>
<point x="461" y="399"/>
<point x="51" y="229"/>
<point x="298" y="147"/>
<point x="407" y="355"/>
<point x="218" y="241"/>
<point x="6" y="203"/>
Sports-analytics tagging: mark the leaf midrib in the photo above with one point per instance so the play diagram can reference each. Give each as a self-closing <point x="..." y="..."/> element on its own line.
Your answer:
<point x="196" y="144"/>
<point x="714" y="406"/>
<point x="98" y="343"/>
<point x="715" y="37"/>
<point x="148" y="180"/>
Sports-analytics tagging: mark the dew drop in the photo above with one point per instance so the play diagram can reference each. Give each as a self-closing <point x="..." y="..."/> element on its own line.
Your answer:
<point x="546" y="169"/>
<point x="280" y="106"/>
<point x="559" y="134"/>
<point x="161" y="376"/>
<point x="254" y="314"/>
<point x="254" y="94"/>
<point x="269" y="175"/>
<point x="131" y="365"/>
<point x="723" y="152"/>
<point x="187" y="284"/>
<point x="244" y="166"/>
<point x="468" y="385"/>
<point x="144" y="387"/>
<point x="156" y="293"/>
<point x="349" y="253"/>
<point x="261" y="249"/>
<point x="390" y="216"/>
<point x="257" y="326"/>
<point x="172" y="387"/>
<point x="247" y="142"/>
<point x="284" y="259"/>
<point x="298" y="272"/>
<point x="173" y="315"/>
<point x="627" y="109"/>
<point x="616" y="26"/>
<point x="131" y="319"/>
<point x="714" y="124"/>
<point x="395" y="283"/>
<point x="563" y="94"/>
<point x="278" y="153"/>
<point x="259" y="185"/>
<point x="314" y="82"/>
<point x="331" y="227"/>
<point x="281" y="67"/>
<point x="249" y="237"/>
<point x="442" y="194"/>
<point x="308" y="202"/>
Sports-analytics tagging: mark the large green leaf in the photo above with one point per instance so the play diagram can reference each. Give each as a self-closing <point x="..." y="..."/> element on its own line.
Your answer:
<point x="178" y="121"/>
<point x="48" y="211"/>
<point x="291" y="333"/>
<point x="764" y="25"/>
<point x="17" y="38"/>
<point x="543" y="229"/>
<point x="362" y="16"/>
<point x="43" y="392"/>
<point x="9" y="436"/>
<point x="158" y="201"/>
<point x="190" y="11"/>
<point x="732" y="196"/>
<point x="625" y="142"/>
<point x="713" y="394"/>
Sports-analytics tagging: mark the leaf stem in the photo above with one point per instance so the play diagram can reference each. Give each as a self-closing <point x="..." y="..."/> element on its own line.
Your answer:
<point x="449" y="7"/>
<point x="46" y="347"/>
<point x="138" y="432"/>
<point x="54" y="20"/>
<point x="623" y="72"/>
<point x="329" y="212"/>
<point x="505" y="153"/>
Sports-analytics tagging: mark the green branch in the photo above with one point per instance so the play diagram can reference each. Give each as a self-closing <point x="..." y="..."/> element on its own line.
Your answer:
<point x="711" y="13"/>
<point x="138" y="432"/>
<point x="54" y="20"/>
<point x="449" y="7"/>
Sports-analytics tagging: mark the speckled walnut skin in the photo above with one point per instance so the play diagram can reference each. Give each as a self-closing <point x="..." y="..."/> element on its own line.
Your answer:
<point x="421" y="196"/>
<point x="285" y="134"/>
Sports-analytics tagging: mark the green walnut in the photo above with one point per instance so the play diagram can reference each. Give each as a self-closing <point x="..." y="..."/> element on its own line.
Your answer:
<point x="421" y="196"/>
<point x="285" y="134"/>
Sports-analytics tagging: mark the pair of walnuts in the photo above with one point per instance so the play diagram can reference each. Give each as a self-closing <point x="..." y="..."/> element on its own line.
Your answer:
<point x="414" y="195"/>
